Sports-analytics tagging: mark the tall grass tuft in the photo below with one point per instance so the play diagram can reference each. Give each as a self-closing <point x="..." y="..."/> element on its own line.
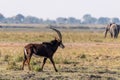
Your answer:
<point x="18" y="58"/>
<point x="6" y="57"/>
<point x="13" y="66"/>
<point x="36" y="68"/>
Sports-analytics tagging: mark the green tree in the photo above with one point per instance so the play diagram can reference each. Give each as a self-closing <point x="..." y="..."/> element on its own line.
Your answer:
<point x="19" y="18"/>
<point x="103" y="20"/>
<point x="1" y="18"/>
<point x="88" y="19"/>
<point x="115" y="20"/>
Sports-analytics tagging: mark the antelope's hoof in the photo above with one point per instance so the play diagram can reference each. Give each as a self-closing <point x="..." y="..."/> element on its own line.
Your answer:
<point x="22" y="68"/>
<point x="56" y="70"/>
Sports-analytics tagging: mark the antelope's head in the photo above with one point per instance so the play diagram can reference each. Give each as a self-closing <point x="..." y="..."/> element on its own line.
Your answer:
<point x="59" y="39"/>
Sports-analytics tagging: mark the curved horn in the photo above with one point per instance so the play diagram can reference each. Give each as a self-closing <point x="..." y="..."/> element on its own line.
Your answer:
<point x="58" y="32"/>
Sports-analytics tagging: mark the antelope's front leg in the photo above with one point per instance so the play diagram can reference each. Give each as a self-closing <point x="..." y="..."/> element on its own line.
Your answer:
<point x="44" y="61"/>
<point x="51" y="59"/>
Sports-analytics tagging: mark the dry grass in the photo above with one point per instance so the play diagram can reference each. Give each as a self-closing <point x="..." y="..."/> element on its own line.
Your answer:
<point x="68" y="37"/>
<point x="85" y="55"/>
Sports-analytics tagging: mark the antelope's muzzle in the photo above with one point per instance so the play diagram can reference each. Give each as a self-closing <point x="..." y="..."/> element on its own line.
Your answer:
<point x="62" y="46"/>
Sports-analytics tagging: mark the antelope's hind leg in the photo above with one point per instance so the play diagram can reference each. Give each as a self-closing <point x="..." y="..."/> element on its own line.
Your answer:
<point x="28" y="61"/>
<point x="24" y="63"/>
<point x="25" y="59"/>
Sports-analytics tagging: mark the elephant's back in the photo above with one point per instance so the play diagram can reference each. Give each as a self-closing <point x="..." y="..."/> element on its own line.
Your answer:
<point x="113" y="26"/>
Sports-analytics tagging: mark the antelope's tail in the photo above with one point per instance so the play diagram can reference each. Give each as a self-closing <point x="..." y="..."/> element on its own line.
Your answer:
<point x="25" y="54"/>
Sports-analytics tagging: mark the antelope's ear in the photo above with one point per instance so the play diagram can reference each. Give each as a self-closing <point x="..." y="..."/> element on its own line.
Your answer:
<point x="57" y="39"/>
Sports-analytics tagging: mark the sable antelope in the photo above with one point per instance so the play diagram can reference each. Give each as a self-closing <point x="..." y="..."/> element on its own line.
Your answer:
<point x="113" y="29"/>
<point x="45" y="49"/>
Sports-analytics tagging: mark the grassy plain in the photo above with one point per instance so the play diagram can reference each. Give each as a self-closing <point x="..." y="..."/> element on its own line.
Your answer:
<point x="87" y="56"/>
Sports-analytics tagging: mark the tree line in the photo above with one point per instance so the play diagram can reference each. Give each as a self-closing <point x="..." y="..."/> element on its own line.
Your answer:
<point x="86" y="19"/>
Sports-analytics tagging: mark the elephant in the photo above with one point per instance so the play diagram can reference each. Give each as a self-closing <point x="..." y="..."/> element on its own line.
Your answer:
<point x="113" y="29"/>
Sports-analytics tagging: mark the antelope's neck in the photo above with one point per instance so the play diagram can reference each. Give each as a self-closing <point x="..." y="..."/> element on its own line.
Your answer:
<point x="54" y="48"/>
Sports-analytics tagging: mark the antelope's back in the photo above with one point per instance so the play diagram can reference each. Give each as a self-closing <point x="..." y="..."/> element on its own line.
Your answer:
<point x="39" y="49"/>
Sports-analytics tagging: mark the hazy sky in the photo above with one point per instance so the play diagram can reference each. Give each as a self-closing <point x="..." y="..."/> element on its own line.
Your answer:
<point x="60" y="8"/>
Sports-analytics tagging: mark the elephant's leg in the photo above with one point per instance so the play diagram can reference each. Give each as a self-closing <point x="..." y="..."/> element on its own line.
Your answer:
<point x="105" y="33"/>
<point x="111" y="34"/>
<point x="115" y="33"/>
